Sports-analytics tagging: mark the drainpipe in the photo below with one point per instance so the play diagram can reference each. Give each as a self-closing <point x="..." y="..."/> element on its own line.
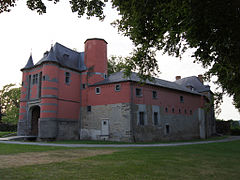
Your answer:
<point x="80" y="109"/>
<point x="131" y="112"/>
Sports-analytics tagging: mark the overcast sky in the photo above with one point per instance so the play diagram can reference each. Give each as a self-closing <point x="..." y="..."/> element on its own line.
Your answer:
<point x="23" y="31"/>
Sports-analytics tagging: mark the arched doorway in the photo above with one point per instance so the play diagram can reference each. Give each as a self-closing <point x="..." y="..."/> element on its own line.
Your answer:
<point x="35" y="115"/>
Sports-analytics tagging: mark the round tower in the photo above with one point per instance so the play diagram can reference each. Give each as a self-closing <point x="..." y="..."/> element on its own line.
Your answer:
<point x="96" y="59"/>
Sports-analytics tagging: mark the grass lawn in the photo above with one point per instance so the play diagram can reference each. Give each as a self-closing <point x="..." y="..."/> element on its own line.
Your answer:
<point x="117" y="142"/>
<point x="204" y="161"/>
<point x="3" y="133"/>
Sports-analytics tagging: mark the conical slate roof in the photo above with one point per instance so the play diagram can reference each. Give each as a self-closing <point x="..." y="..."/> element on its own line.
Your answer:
<point x="48" y="57"/>
<point x="29" y="63"/>
<point x="64" y="57"/>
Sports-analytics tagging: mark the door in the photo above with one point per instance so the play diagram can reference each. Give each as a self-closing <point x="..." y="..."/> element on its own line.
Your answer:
<point x="105" y="127"/>
<point x="34" y="120"/>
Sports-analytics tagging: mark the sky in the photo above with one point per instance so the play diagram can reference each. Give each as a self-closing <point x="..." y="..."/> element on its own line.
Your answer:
<point x="24" y="32"/>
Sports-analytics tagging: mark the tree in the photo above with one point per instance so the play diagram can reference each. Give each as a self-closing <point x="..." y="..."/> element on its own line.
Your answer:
<point x="10" y="103"/>
<point x="116" y="64"/>
<point x="209" y="27"/>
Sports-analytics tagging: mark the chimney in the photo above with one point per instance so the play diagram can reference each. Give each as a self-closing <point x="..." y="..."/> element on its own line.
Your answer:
<point x="200" y="77"/>
<point x="178" y="77"/>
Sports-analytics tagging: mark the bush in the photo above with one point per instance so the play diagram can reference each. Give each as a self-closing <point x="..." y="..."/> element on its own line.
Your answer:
<point x="235" y="131"/>
<point x="8" y="127"/>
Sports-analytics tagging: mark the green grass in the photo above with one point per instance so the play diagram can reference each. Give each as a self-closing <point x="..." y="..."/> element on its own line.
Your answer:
<point x="16" y="148"/>
<point x="3" y="133"/>
<point x="206" y="161"/>
<point x="116" y="142"/>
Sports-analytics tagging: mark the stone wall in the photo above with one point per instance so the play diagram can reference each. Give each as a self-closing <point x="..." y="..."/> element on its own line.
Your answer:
<point x="116" y="117"/>
<point x="170" y="126"/>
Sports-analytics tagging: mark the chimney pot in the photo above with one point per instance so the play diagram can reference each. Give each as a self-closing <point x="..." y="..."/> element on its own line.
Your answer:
<point x="200" y="77"/>
<point x="178" y="77"/>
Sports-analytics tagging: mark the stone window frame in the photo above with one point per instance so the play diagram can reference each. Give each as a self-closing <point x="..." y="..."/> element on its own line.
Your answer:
<point x="98" y="90"/>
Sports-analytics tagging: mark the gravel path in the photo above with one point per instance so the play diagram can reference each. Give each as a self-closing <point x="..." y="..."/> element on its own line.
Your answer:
<point x="231" y="138"/>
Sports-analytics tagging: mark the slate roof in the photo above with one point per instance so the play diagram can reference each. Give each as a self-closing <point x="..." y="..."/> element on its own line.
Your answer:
<point x="194" y="82"/>
<point x="119" y="77"/>
<point x="29" y="63"/>
<point x="63" y="56"/>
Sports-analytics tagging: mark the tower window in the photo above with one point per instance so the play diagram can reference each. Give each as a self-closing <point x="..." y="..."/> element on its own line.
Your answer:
<point x="84" y="86"/>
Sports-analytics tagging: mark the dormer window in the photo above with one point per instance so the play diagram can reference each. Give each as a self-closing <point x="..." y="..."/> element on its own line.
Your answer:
<point x="65" y="56"/>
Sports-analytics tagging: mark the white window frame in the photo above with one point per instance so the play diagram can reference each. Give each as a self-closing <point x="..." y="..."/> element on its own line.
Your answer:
<point x="98" y="90"/>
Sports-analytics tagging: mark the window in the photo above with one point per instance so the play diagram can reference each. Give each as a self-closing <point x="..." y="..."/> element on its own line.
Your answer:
<point x="84" y="86"/>
<point x="33" y="80"/>
<point x="97" y="90"/>
<point x="155" y="117"/>
<point x="89" y="108"/>
<point x="44" y="78"/>
<point x="179" y="111"/>
<point x="154" y="95"/>
<point x="117" y="87"/>
<point x="36" y="78"/>
<point x="67" y="77"/>
<point x="138" y="92"/>
<point x="173" y="110"/>
<point x="166" y="109"/>
<point x="181" y="99"/>
<point x="141" y="118"/>
<point x="105" y="76"/>
<point x="191" y="112"/>
<point x="167" y="129"/>
<point x="185" y="111"/>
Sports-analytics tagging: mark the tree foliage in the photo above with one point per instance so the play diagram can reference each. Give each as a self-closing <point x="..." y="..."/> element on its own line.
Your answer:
<point x="209" y="27"/>
<point x="10" y="102"/>
<point x="116" y="64"/>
